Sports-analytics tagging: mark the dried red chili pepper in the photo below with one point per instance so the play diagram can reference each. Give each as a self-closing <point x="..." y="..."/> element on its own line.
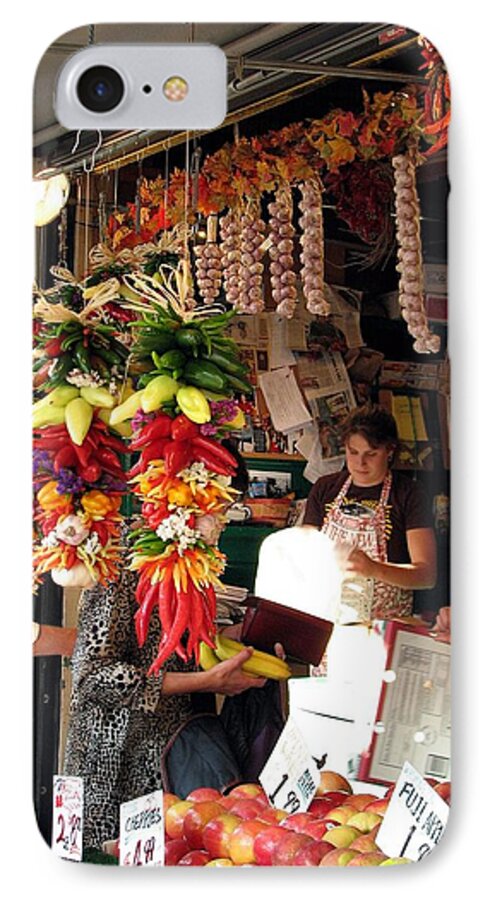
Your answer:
<point x="178" y="455"/>
<point x="157" y="428"/>
<point x="143" y="614"/>
<point x="217" y="449"/>
<point x="183" y="429"/>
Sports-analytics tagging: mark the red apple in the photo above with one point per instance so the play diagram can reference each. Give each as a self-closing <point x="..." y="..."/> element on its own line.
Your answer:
<point x="272" y="816"/>
<point x="175" y="850"/>
<point x="364" y="843"/>
<point x="368" y="859"/>
<point x="378" y="806"/>
<point x="342" y="836"/>
<point x="340" y="814"/>
<point x="321" y="806"/>
<point x="219" y="863"/>
<point x="194" y="858"/>
<point x="341" y="856"/>
<point x="227" y="802"/>
<point x="360" y="801"/>
<point x="196" y="818"/>
<point x="332" y="781"/>
<point x="297" y="821"/>
<point x="247" y="808"/>
<point x="312" y="854"/>
<point x="216" y="834"/>
<point x="266" y="842"/>
<point x="247" y="791"/>
<point x="374" y="831"/>
<point x="168" y="801"/>
<point x="241" y="846"/>
<point x="317" y="828"/>
<point x="174" y="818"/>
<point x="365" y="821"/>
<point x="286" y="850"/>
<point x="204" y="793"/>
<point x="444" y="791"/>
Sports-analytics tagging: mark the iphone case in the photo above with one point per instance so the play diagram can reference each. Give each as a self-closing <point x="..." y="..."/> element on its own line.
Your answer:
<point x="211" y="307"/>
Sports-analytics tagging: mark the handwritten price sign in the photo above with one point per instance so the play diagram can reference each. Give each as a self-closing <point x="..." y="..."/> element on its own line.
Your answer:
<point x="415" y="819"/>
<point x="290" y="776"/>
<point x="67" y="829"/>
<point x="142" y="840"/>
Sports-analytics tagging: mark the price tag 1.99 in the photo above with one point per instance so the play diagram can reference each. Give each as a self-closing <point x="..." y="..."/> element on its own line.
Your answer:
<point x="290" y="777"/>
<point x="142" y="840"/>
<point x="67" y="829"/>
<point x="415" y="818"/>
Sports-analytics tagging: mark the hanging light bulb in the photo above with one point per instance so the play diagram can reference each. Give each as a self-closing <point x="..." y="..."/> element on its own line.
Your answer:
<point x="50" y="196"/>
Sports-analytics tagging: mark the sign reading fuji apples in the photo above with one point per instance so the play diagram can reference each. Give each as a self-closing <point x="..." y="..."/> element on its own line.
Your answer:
<point x="415" y="819"/>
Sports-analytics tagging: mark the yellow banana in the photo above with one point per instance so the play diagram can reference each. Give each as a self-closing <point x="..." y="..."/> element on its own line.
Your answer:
<point x="207" y="657"/>
<point x="78" y="418"/>
<point x="264" y="665"/>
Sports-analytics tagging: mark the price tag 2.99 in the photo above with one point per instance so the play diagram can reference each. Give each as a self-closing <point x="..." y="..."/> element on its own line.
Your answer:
<point x="67" y="829"/>
<point x="415" y="818"/>
<point x="290" y="777"/>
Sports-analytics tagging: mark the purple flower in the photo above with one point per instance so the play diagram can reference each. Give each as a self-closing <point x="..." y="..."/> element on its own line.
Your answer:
<point x="42" y="464"/>
<point x="109" y="484"/>
<point x="208" y="430"/>
<point x="140" y="419"/>
<point x="69" y="482"/>
<point x="223" y="411"/>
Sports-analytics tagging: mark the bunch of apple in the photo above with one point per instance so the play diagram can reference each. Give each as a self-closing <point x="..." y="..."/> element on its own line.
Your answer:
<point x="241" y="828"/>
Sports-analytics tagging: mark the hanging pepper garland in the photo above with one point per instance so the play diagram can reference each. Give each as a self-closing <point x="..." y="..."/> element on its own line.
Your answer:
<point x="183" y="474"/>
<point x="80" y="371"/>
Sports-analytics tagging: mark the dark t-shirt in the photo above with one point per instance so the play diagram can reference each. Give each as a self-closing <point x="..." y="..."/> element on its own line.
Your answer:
<point x="407" y="507"/>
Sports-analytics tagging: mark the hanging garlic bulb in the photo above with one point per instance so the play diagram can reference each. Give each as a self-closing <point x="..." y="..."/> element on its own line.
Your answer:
<point x="209" y="264"/>
<point x="230" y="255"/>
<point x="251" y="269"/>
<point x="281" y="236"/>
<point x="312" y="242"/>
<point x="411" y="283"/>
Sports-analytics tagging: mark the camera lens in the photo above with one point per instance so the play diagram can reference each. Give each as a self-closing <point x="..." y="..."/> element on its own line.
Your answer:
<point x="100" y="89"/>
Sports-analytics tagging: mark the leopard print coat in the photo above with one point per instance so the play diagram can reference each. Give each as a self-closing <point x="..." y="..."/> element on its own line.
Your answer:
<point x="119" y="720"/>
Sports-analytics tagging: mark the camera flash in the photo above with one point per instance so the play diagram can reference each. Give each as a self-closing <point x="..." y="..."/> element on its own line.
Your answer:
<point x="175" y="88"/>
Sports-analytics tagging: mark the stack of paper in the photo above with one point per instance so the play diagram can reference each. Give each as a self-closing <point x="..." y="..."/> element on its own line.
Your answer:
<point x="284" y="400"/>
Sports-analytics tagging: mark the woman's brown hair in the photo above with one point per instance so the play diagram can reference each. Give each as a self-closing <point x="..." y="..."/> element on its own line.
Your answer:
<point x="374" y="424"/>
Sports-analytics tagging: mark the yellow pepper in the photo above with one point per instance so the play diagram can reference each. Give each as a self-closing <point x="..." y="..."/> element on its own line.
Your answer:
<point x="181" y="495"/>
<point x="49" y="498"/>
<point x="97" y="504"/>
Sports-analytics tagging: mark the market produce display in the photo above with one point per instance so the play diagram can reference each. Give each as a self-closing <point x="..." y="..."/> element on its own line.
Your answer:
<point x="241" y="828"/>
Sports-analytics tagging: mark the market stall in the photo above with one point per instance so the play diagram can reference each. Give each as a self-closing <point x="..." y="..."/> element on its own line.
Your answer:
<point x="209" y="310"/>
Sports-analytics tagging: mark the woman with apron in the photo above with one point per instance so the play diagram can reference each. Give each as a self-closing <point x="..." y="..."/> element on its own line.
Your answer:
<point x="379" y="520"/>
